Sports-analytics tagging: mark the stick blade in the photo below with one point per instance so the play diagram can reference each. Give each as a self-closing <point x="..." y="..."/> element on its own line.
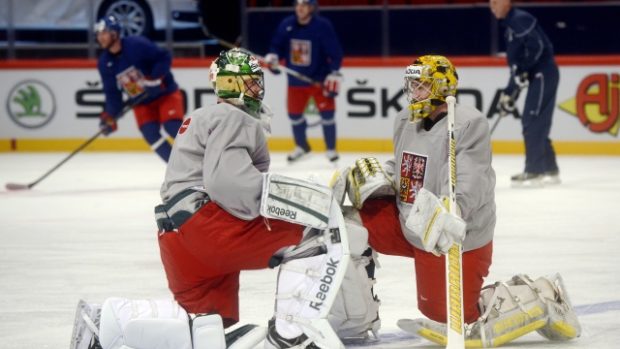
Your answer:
<point x="16" y="186"/>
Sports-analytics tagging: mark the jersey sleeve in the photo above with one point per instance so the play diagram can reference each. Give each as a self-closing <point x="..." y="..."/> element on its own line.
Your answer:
<point x="113" y="96"/>
<point x="475" y="177"/>
<point x="160" y="58"/>
<point x="331" y="46"/>
<point x="230" y="176"/>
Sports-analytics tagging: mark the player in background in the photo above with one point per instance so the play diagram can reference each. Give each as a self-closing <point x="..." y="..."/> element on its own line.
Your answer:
<point x="136" y="66"/>
<point x="532" y="64"/>
<point x="309" y="45"/>
<point x="402" y="206"/>
<point x="218" y="218"/>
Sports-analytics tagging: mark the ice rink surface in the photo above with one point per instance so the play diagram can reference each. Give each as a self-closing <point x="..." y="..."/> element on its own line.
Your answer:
<point x="88" y="232"/>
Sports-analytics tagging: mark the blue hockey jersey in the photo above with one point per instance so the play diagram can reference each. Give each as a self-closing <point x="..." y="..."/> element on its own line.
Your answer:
<point x="138" y="59"/>
<point x="312" y="49"/>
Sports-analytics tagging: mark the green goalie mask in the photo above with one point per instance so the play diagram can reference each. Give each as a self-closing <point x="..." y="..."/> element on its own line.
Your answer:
<point x="428" y="81"/>
<point x="238" y="79"/>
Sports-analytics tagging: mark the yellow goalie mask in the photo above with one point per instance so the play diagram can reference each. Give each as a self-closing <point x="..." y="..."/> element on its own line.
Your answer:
<point x="428" y="81"/>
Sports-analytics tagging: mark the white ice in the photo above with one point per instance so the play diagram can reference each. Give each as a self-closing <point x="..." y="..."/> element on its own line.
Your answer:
<point x="87" y="231"/>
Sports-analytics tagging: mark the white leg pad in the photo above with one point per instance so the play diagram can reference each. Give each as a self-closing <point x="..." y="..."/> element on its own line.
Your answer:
<point x="144" y="324"/>
<point x="510" y="310"/>
<point x="251" y="339"/>
<point x="308" y="282"/>
<point x="356" y="309"/>
<point x="519" y="306"/>
<point x="208" y="332"/>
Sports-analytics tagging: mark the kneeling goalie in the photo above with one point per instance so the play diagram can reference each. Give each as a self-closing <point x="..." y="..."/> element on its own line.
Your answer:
<point x="223" y="212"/>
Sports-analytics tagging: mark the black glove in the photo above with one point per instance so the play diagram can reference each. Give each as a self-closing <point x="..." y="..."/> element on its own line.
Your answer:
<point x="107" y="123"/>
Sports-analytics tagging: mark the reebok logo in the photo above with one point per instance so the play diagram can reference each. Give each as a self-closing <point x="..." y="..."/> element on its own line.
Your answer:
<point x="326" y="282"/>
<point x="281" y="212"/>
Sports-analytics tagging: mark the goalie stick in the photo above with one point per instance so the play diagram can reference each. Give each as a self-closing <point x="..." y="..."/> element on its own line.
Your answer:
<point x="454" y="262"/>
<point x="21" y="186"/>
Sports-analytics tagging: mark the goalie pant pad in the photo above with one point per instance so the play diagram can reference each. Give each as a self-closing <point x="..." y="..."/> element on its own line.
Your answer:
<point x="157" y="324"/>
<point x="510" y="310"/>
<point x="295" y="200"/>
<point x="368" y="179"/>
<point x="309" y="282"/>
<point x="437" y="228"/>
<point x="356" y="309"/>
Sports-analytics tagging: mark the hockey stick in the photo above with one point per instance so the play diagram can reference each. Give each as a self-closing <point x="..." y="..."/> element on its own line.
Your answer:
<point x="287" y="70"/>
<point x="454" y="262"/>
<point x="19" y="186"/>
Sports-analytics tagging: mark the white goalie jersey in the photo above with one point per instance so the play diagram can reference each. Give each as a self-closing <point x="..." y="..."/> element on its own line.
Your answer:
<point x="423" y="164"/>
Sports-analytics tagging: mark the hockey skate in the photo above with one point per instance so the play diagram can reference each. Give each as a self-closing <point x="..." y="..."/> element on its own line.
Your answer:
<point x="86" y="326"/>
<point x="551" y="178"/>
<point x="332" y="156"/>
<point x="511" y="310"/>
<point x="297" y="154"/>
<point x="527" y="180"/>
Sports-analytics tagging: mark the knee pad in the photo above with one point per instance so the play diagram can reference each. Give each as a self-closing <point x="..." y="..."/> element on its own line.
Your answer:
<point x="144" y="324"/>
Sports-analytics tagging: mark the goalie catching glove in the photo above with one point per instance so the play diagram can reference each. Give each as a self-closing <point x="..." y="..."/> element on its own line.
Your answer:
<point x="433" y="224"/>
<point x="365" y="180"/>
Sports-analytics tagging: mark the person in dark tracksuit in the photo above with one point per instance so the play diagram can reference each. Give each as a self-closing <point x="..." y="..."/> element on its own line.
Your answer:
<point x="531" y="59"/>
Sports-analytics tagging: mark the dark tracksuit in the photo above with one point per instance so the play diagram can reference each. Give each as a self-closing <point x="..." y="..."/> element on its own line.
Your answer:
<point x="529" y="50"/>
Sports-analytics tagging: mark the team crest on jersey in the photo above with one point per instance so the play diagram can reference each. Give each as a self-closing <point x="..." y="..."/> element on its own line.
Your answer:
<point x="412" y="172"/>
<point x="129" y="80"/>
<point x="301" y="52"/>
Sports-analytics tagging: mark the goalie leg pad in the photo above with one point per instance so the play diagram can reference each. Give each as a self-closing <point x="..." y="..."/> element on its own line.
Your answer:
<point x="355" y="312"/>
<point x="208" y="332"/>
<point x="308" y="282"/>
<point x="510" y="310"/>
<point x="144" y="324"/>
